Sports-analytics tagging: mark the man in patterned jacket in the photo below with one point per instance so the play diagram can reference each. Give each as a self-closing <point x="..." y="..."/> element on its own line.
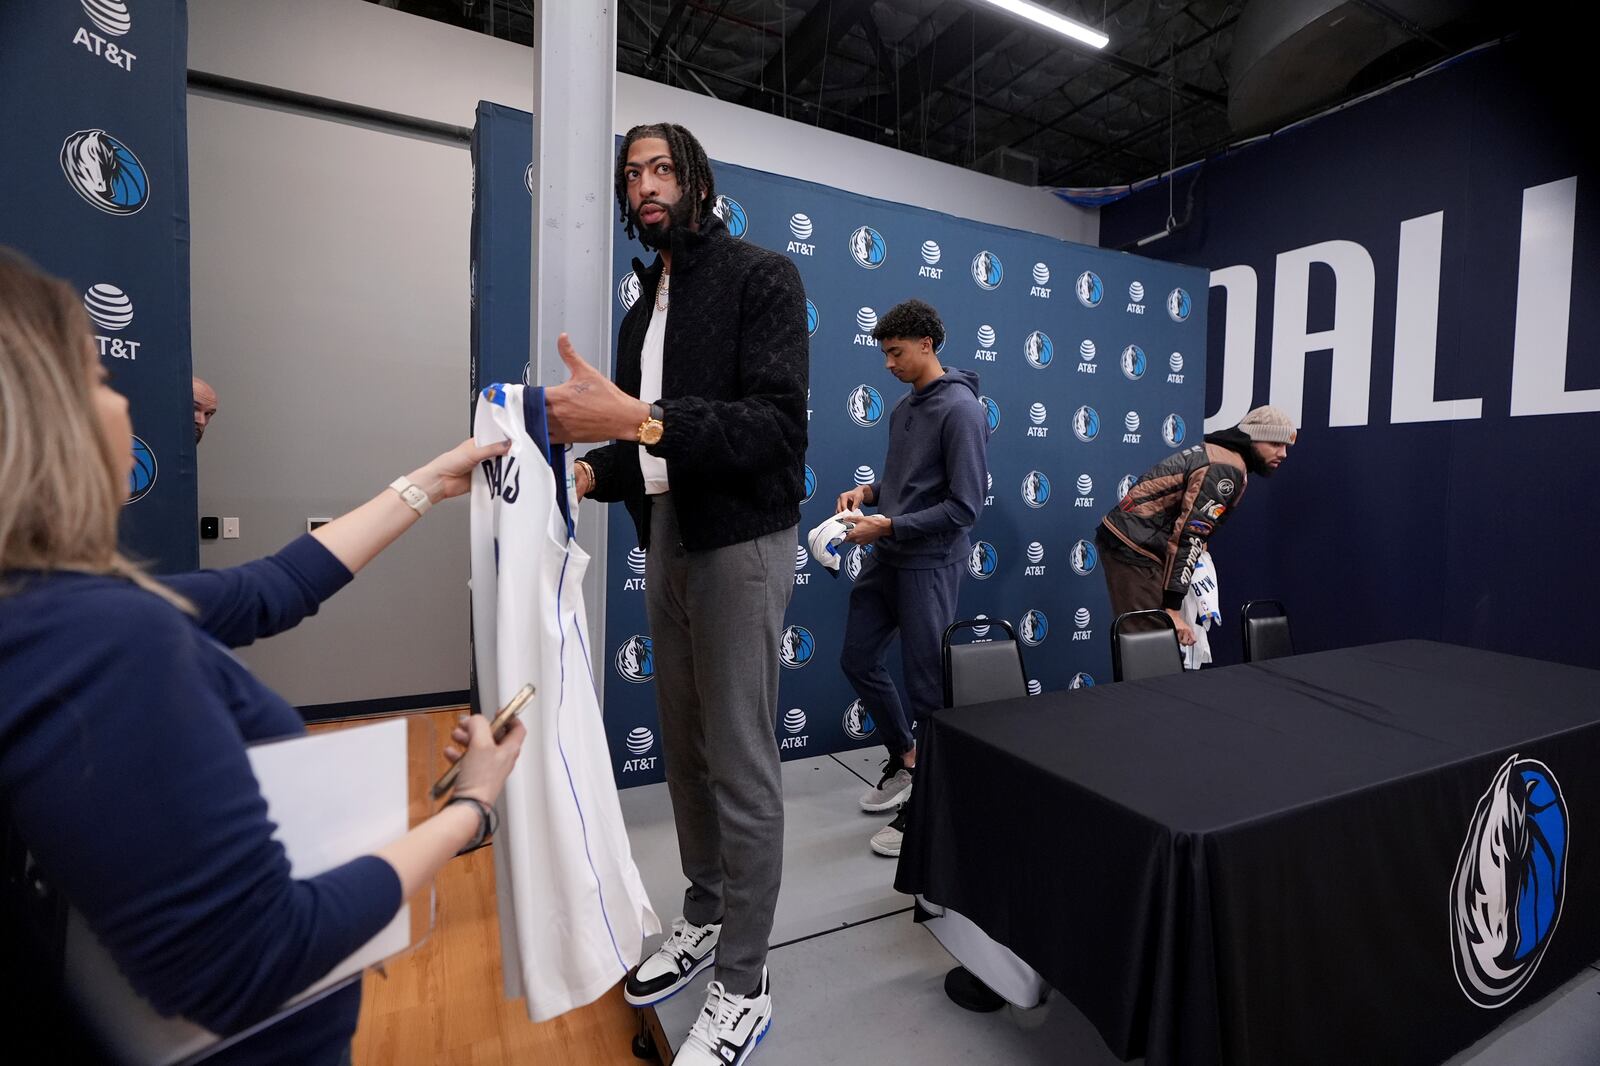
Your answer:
<point x="1150" y="543"/>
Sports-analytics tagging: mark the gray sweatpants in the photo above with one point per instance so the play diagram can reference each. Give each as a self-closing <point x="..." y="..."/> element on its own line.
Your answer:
<point x="715" y="621"/>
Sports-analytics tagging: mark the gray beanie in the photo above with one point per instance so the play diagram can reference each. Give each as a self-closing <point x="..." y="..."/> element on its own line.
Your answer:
<point x="1268" y="424"/>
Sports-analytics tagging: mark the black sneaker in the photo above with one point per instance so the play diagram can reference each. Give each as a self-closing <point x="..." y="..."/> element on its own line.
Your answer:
<point x="688" y="950"/>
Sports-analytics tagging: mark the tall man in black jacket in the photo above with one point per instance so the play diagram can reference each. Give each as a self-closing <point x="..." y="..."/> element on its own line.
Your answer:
<point x="708" y="422"/>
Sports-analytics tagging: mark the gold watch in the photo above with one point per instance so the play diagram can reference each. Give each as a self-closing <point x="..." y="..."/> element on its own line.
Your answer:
<point x="650" y="429"/>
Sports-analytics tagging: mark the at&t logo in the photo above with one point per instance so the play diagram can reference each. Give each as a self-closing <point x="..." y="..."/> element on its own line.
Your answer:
<point x="636" y="563"/>
<point x="991" y="413"/>
<point x="983" y="630"/>
<point x="1033" y="628"/>
<point x="867" y="248"/>
<point x="800" y="226"/>
<point x="105" y="172"/>
<point x="1039" y="350"/>
<point x="811" y="483"/>
<point x="865" y="405"/>
<point x="1035" y="489"/>
<point x="1034" y="687"/>
<point x="1084" y="558"/>
<point x="1035" y="567"/>
<point x="111" y="309"/>
<point x="1081" y="680"/>
<point x="1091" y="290"/>
<point x="1173" y="430"/>
<point x="988" y="489"/>
<point x="796" y="647"/>
<point x="1085" y="491"/>
<point x="1041" y="282"/>
<point x="1179" y="305"/>
<point x="811" y="319"/>
<point x="1086" y="353"/>
<point x="987" y="271"/>
<point x="636" y="659"/>
<point x="866" y="322"/>
<point x="143" y="477"/>
<point x="865" y="475"/>
<point x="858" y="723"/>
<point x="1510" y="882"/>
<point x="1037" y="415"/>
<point x="1086" y="423"/>
<point x="1175" y="361"/>
<point x="801" y="558"/>
<point x="930" y="261"/>
<point x="794" y="724"/>
<point x="733" y="215"/>
<point x="639" y="741"/>
<point x="987" y="339"/>
<point x="1130" y="422"/>
<point x="628" y="290"/>
<point x="112" y="19"/>
<point x="1081" y="619"/>
<point x="1134" y="363"/>
<point x="983" y="561"/>
<point x="1136" y="298"/>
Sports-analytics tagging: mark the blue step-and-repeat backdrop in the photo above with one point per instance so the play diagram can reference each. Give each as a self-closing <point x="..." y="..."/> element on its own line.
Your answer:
<point x="1091" y="366"/>
<point x="95" y="182"/>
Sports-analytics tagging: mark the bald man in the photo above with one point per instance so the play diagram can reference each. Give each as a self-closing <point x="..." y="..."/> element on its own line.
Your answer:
<point x="205" y="407"/>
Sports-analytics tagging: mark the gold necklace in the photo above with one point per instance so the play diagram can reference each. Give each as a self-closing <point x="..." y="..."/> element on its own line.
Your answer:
<point x="663" y="296"/>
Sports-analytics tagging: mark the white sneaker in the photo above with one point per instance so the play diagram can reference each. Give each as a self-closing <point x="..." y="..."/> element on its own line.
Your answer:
<point x="894" y="788"/>
<point x="729" y="1027"/>
<point x="688" y="950"/>
<point x="887" y="840"/>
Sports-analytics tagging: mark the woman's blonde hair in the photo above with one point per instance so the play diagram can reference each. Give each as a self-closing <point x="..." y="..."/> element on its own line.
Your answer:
<point x="61" y="486"/>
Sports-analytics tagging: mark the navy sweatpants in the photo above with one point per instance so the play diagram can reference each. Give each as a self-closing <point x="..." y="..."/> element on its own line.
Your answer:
<point x="919" y="605"/>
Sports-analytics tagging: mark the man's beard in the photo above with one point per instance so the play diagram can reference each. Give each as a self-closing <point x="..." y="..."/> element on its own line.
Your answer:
<point x="1256" y="464"/>
<point x="655" y="235"/>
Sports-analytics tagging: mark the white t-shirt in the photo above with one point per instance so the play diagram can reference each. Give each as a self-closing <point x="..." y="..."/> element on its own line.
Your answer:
<point x="652" y="467"/>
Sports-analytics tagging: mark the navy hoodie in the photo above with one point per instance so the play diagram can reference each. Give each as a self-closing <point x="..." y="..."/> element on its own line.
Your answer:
<point x="934" y="476"/>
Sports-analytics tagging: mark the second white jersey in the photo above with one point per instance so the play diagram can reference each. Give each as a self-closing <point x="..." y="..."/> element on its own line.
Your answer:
<point x="573" y="910"/>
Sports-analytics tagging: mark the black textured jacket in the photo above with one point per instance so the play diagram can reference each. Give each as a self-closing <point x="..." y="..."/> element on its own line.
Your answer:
<point x="734" y="378"/>
<point x="1170" y="513"/>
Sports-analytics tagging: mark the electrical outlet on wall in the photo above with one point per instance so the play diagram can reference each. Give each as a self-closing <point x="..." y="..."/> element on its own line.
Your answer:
<point x="230" y="529"/>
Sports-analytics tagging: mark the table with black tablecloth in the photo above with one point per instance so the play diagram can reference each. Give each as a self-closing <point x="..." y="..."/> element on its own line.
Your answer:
<point x="1254" y="864"/>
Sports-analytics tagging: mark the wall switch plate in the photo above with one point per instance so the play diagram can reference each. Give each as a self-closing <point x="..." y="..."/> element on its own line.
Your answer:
<point x="230" y="529"/>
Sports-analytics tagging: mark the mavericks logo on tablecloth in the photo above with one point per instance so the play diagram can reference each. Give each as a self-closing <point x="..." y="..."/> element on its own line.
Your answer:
<point x="1510" y="882"/>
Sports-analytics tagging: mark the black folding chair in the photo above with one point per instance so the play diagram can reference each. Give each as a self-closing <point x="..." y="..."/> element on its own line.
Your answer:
<point x="1266" y="631"/>
<point x="977" y="672"/>
<point x="983" y="670"/>
<point x="1147" y="647"/>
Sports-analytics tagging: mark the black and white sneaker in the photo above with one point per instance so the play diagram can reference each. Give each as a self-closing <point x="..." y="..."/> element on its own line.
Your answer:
<point x="729" y="1027"/>
<point x="894" y="788"/>
<point x="686" y="951"/>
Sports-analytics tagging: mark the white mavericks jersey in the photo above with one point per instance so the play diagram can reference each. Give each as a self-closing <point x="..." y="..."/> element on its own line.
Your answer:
<point x="573" y="911"/>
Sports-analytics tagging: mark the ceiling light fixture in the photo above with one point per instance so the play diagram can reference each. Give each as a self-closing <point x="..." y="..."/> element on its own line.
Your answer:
<point x="1052" y="21"/>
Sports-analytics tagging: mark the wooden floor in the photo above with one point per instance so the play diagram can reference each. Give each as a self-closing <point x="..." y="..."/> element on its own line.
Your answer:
<point x="442" y="1004"/>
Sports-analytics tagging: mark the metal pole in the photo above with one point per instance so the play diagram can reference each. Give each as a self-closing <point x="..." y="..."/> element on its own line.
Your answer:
<point x="575" y="44"/>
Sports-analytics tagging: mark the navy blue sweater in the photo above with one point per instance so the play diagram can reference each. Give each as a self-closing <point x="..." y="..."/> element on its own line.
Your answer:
<point x="933" y="478"/>
<point x="123" y="727"/>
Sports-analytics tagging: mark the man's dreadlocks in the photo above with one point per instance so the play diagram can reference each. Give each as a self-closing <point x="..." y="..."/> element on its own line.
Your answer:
<point x="695" y="180"/>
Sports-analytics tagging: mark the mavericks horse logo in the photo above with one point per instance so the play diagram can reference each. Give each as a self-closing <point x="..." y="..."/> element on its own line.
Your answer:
<point x="867" y="248"/>
<point x="636" y="659"/>
<point x="1035" y="489"/>
<point x="105" y="172"/>
<point x="865" y="405"/>
<point x="1084" y="557"/>
<point x="858" y="723"/>
<point x="1086" y="423"/>
<point x="1034" y="628"/>
<point x="983" y="560"/>
<point x="1091" y="290"/>
<point x="143" y="477"/>
<point x="1510" y="882"/>
<point x="732" y="214"/>
<point x="1039" y="349"/>
<point x="987" y="270"/>
<point x="796" y="646"/>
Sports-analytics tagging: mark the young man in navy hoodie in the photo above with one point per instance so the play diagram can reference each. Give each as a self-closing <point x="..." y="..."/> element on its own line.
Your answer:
<point x="927" y="501"/>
